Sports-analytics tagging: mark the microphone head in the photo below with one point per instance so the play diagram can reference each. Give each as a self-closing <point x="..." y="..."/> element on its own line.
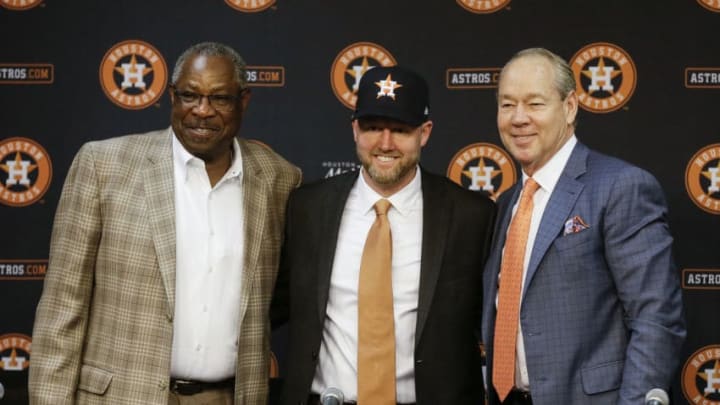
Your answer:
<point x="332" y="392"/>
<point x="657" y="394"/>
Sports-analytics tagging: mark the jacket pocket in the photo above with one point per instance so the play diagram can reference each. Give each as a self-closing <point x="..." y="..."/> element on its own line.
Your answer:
<point x="94" y="380"/>
<point x="602" y="378"/>
<point x="573" y="240"/>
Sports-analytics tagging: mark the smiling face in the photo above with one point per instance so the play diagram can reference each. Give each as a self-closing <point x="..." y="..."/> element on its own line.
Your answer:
<point x="204" y="131"/>
<point x="389" y="151"/>
<point x="533" y="119"/>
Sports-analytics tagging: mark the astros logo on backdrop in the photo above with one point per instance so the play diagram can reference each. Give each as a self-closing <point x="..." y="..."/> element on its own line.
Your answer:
<point x="483" y="6"/>
<point x="605" y="76"/>
<point x="28" y="269"/>
<point x="702" y="178"/>
<point x="351" y="64"/>
<point x="25" y="171"/>
<point x="712" y="5"/>
<point x="472" y="78"/>
<point x="700" y="377"/>
<point x="250" y="6"/>
<point x="701" y="279"/>
<point x="133" y="74"/>
<point x="702" y="77"/>
<point x="483" y="167"/>
<point x="265" y="76"/>
<point x="27" y="73"/>
<point x="20" y="4"/>
<point x="14" y="352"/>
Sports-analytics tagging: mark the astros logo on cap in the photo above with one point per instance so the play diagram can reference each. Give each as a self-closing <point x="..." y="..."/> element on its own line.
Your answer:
<point x="25" y="171"/>
<point x="605" y="76"/>
<point x="712" y="5"/>
<point x="351" y="64"/>
<point x="483" y="6"/>
<point x="20" y="5"/>
<point x="250" y="6"/>
<point x="387" y="87"/>
<point x="702" y="178"/>
<point x="701" y="376"/>
<point x="483" y="167"/>
<point x="133" y="74"/>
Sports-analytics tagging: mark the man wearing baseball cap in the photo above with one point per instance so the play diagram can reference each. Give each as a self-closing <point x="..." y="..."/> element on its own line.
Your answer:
<point x="381" y="268"/>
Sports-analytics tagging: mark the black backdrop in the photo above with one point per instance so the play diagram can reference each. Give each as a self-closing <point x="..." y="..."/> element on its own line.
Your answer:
<point x="51" y="73"/>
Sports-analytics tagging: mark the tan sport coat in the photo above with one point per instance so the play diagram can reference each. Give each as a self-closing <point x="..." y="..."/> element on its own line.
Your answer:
<point x="104" y="325"/>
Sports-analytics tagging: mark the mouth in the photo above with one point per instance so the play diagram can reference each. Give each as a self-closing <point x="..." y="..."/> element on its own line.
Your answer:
<point x="522" y="139"/>
<point x="202" y="130"/>
<point x="386" y="160"/>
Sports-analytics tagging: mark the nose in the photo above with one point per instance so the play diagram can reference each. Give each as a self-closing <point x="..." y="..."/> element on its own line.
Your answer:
<point x="203" y="108"/>
<point x="519" y="115"/>
<point x="386" y="139"/>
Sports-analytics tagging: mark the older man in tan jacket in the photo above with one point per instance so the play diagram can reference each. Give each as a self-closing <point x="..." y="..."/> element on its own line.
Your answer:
<point x="164" y="254"/>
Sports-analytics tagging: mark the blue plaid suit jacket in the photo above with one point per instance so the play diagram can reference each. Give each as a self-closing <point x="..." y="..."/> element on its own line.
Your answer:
<point x="601" y="311"/>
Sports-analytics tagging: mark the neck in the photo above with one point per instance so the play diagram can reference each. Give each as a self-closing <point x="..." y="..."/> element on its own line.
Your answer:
<point x="217" y="168"/>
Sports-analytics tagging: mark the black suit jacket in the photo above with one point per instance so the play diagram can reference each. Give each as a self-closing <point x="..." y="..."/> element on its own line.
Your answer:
<point x="457" y="227"/>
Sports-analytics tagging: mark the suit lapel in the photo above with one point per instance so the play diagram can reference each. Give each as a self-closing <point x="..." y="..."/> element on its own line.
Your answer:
<point x="255" y="206"/>
<point x="436" y="213"/>
<point x="160" y="200"/>
<point x="558" y="208"/>
<point x="332" y="206"/>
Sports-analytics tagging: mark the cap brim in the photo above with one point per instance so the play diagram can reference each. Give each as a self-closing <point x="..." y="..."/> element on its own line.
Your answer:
<point x="392" y="115"/>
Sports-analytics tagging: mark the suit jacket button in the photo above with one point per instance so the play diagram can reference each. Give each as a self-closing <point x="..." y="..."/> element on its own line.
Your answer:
<point x="418" y="361"/>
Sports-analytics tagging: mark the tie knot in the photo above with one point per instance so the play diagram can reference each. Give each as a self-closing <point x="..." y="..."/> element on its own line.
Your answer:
<point x="382" y="206"/>
<point x="530" y="187"/>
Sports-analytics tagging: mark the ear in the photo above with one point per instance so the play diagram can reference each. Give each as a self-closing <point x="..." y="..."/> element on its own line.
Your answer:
<point x="571" y="107"/>
<point x="355" y="129"/>
<point x="245" y="99"/>
<point x="425" y="130"/>
<point x="171" y="92"/>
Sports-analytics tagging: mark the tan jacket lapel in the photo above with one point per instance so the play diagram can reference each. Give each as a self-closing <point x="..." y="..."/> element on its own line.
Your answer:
<point x="160" y="197"/>
<point x="255" y="208"/>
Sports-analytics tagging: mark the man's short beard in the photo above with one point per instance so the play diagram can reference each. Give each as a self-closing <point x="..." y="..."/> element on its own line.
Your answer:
<point x="389" y="177"/>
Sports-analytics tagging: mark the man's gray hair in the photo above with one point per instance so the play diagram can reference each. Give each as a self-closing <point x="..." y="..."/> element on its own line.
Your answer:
<point x="213" y="49"/>
<point x="564" y="77"/>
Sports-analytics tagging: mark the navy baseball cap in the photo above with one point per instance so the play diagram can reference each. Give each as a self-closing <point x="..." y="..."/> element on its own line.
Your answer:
<point x="395" y="93"/>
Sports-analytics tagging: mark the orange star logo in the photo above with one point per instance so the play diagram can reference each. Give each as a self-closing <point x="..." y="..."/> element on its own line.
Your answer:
<point x="357" y="72"/>
<point x="387" y="87"/>
<point x="132" y="71"/>
<point x="17" y="171"/>
<point x="602" y="71"/>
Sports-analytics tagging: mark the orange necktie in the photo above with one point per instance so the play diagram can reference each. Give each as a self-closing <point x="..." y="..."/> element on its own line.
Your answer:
<point x="508" y="307"/>
<point x="376" y="323"/>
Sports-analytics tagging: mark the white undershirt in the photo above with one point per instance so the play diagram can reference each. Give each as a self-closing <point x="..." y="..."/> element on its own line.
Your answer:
<point x="547" y="177"/>
<point x="209" y="257"/>
<point x="337" y="361"/>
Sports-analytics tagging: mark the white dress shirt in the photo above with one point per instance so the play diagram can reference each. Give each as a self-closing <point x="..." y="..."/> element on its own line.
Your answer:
<point x="547" y="177"/>
<point x="337" y="360"/>
<point x="209" y="257"/>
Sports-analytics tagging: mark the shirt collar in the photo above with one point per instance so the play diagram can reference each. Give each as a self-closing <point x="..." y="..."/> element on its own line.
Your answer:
<point x="183" y="159"/>
<point x="402" y="201"/>
<point x="548" y="175"/>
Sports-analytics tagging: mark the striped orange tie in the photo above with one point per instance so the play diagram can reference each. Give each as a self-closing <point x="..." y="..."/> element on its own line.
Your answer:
<point x="376" y="323"/>
<point x="508" y="306"/>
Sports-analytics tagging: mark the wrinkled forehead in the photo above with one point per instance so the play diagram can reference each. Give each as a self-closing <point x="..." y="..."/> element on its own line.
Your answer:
<point x="208" y="70"/>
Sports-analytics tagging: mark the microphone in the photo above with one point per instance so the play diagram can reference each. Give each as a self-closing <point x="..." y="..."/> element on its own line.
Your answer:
<point x="657" y="396"/>
<point x="332" y="396"/>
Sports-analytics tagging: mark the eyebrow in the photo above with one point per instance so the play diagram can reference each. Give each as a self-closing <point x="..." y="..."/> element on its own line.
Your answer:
<point x="531" y="95"/>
